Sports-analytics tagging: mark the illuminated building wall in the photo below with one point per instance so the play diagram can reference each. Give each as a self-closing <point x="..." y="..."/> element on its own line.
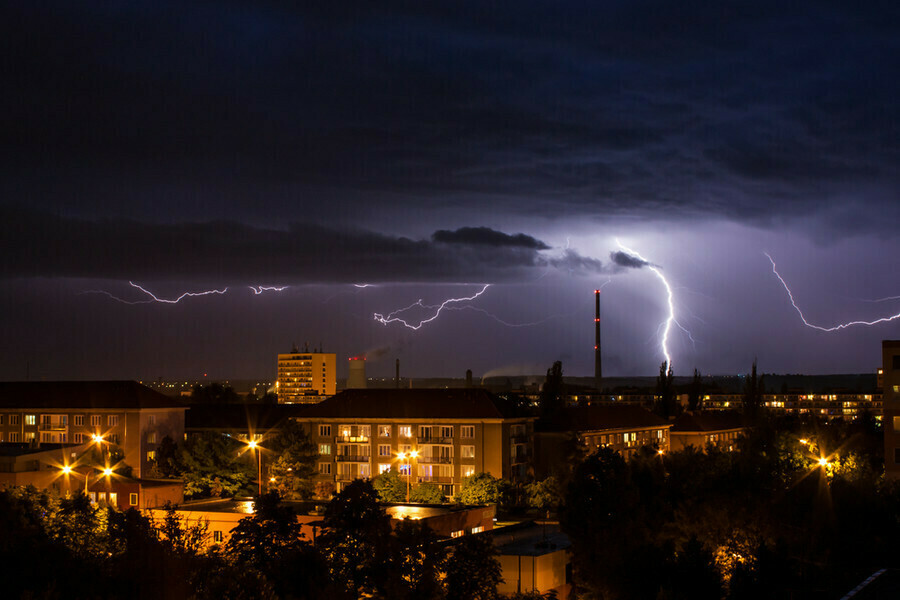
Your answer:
<point x="306" y="377"/>
<point x="890" y="350"/>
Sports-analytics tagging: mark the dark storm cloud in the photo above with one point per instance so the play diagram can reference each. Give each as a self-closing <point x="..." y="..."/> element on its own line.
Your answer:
<point x="42" y="245"/>
<point x="753" y="111"/>
<point x="485" y="236"/>
<point x="623" y="259"/>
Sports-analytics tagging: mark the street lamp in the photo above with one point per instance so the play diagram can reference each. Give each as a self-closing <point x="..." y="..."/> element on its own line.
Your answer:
<point x="406" y="456"/>
<point x="254" y="445"/>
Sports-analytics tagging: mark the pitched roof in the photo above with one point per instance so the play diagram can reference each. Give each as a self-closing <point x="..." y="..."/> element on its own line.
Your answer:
<point x="596" y="418"/>
<point x="708" y="421"/>
<point x="240" y="417"/>
<point x="466" y="403"/>
<point x="82" y="394"/>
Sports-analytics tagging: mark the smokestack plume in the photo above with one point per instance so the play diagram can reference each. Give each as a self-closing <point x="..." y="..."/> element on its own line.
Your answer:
<point x="598" y="363"/>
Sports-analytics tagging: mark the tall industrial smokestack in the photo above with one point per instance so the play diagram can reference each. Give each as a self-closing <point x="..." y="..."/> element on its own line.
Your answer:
<point x="598" y="363"/>
<point x="397" y="377"/>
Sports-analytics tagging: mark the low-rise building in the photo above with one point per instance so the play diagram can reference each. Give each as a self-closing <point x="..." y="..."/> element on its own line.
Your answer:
<point x="534" y="557"/>
<point x="125" y="413"/>
<point x="700" y="429"/>
<point x="625" y="429"/>
<point x="432" y="435"/>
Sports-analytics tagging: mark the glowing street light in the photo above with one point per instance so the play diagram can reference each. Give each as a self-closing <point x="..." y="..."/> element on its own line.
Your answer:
<point x="823" y="462"/>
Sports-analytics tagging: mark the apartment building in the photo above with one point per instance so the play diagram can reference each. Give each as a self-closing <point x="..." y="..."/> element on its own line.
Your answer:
<point x="625" y="429"/>
<point x="124" y="413"/>
<point x="702" y="428"/>
<point x="454" y="433"/>
<point x="306" y="377"/>
<point x="890" y="351"/>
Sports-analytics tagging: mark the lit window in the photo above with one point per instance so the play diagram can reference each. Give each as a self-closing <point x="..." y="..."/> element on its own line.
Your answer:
<point x="468" y="470"/>
<point x="365" y="470"/>
<point x="457" y="533"/>
<point x="478" y="529"/>
<point x="324" y="449"/>
<point x="384" y="431"/>
<point x="218" y="537"/>
<point x="405" y="431"/>
<point x="467" y="451"/>
<point x="29" y="419"/>
<point x="151" y="437"/>
<point x="151" y="455"/>
<point x="383" y="467"/>
<point x="133" y="499"/>
<point x="467" y="431"/>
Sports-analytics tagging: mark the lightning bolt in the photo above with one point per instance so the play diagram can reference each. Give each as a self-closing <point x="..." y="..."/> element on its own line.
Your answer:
<point x="393" y="318"/>
<point x="153" y="297"/>
<point x="260" y="289"/>
<point x="665" y="326"/>
<point x="819" y="327"/>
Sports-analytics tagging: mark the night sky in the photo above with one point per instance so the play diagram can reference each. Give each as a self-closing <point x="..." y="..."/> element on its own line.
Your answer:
<point x="425" y="149"/>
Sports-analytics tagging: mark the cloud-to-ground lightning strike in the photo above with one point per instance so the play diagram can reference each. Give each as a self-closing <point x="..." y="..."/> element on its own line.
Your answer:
<point x="260" y="289"/>
<point x="393" y="318"/>
<point x="670" y="296"/>
<point x="819" y="327"/>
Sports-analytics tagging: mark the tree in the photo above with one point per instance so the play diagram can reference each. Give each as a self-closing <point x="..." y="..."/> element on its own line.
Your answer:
<point x="553" y="391"/>
<point x="294" y="468"/>
<point x="753" y="395"/>
<point x="263" y="540"/>
<point x="181" y="538"/>
<point x="356" y="541"/>
<point x="417" y="563"/>
<point x="166" y="464"/>
<point x="480" y="488"/>
<point x="390" y="486"/>
<point x="215" y="464"/>
<point x="426" y="493"/>
<point x="665" y="392"/>
<point x="544" y="495"/>
<point x="473" y="571"/>
<point x="695" y="393"/>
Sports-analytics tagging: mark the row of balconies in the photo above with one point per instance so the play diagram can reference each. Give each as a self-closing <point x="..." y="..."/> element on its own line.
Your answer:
<point x="342" y="477"/>
<point x="425" y="460"/>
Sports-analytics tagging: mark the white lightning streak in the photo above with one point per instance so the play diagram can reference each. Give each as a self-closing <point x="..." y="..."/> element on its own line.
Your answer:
<point x="819" y="327"/>
<point x="260" y="289"/>
<point x="664" y="342"/>
<point x="393" y="318"/>
<point x="153" y="297"/>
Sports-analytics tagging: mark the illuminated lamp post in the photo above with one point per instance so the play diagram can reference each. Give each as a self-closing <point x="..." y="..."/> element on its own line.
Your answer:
<point x="254" y="445"/>
<point x="408" y="456"/>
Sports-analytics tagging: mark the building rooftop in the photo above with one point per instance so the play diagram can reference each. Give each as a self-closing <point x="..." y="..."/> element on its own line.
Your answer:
<point x="530" y="539"/>
<point x="598" y="418"/>
<point x="57" y="395"/>
<point x="469" y="403"/>
<point x="240" y="417"/>
<point x="708" y="421"/>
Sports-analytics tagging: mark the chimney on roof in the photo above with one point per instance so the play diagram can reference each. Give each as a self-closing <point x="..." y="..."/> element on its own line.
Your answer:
<point x="598" y="365"/>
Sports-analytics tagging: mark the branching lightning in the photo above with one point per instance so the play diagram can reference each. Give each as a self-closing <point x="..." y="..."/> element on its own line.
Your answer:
<point x="665" y="326"/>
<point x="260" y="289"/>
<point x="819" y="327"/>
<point x="438" y="308"/>
<point x="153" y="297"/>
